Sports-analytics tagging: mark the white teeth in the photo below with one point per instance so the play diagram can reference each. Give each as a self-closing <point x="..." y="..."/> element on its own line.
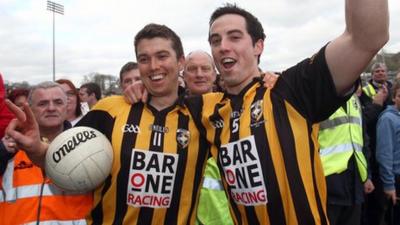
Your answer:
<point x="228" y="60"/>
<point x="156" y="77"/>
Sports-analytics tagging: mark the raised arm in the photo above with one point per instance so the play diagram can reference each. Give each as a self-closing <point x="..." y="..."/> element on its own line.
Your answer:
<point x="24" y="130"/>
<point x="367" y="31"/>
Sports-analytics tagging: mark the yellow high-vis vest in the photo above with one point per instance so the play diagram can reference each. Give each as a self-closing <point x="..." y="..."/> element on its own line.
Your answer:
<point x="340" y="137"/>
<point x="213" y="207"/>
<point x="369" y="90"/>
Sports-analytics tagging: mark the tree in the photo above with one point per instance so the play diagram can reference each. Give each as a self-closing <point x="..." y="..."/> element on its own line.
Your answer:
<point x="108" y="83"/>
<point x="392" y="60"/>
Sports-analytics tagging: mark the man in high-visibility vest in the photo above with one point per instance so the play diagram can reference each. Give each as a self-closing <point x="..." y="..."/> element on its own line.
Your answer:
<point x="27" y="195"/>
<point x="379" y="79"/>
<point x="378" y="88"/>
<point x="345" y="166"/>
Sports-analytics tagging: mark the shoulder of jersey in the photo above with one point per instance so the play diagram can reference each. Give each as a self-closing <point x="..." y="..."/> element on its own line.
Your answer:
<point x="212" y="96"/>
<point x="111" y="103"/>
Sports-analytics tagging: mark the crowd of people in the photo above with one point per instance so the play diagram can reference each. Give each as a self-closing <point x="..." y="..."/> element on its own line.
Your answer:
<point x="217" y="140"/>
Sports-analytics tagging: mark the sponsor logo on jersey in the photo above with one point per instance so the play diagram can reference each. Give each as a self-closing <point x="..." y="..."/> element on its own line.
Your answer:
<point x="236" y="114"/>
<point x="243" y="173"/>
<point x="183" y="137"/>
<point x="151" y="179"/>
<point x="130" y="128"/>
<point x="218" y="123"/>
<point x="158" y="128"/>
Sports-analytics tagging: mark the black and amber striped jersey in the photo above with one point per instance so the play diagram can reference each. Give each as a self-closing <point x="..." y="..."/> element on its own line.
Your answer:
<point x="159" y="159"/>
<point x="265" y="143"/>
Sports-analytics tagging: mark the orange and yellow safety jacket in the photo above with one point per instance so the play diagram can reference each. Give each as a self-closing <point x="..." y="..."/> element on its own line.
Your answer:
<point x="28" y="196"/>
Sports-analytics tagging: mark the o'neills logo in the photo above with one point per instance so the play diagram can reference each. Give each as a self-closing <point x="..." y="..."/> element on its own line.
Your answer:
<point x="71" y="144"/>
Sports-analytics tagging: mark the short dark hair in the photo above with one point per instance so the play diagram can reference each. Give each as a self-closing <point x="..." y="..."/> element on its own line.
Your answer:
<point x="14" y="94"/>
<point x="253" y="25"/>
<point x="153" y="30"/>
<point x="91" y="88"/>
<point x="126" y="68"/>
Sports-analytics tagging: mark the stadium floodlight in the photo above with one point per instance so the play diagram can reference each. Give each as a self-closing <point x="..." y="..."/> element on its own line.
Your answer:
<point x="55" y="8"/>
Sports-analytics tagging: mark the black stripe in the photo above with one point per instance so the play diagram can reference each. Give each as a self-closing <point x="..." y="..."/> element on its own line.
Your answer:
<point x="237" y="110"/>
<point x="97" y="212"/>
<point x="321" y="212"/>
<point x="204" y="147"/>
<point x="287" y="141"/>
<point x="217" y="142"/>
<point x="173" y="210"/>
<point x="202" y="156"/>
<point x="156" y="145"/>
<point x="128" y="142"/>
<point x="103" y="122"/>
<point x="276" y="213"/>
<point x="99" y="120"/>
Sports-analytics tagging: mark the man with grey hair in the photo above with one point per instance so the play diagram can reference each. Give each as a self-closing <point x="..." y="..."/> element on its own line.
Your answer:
<point x="379" y="80"/>
<point x="24" y="185"/>
<point x="48" y="102"/>
<point x="377" y="92"/>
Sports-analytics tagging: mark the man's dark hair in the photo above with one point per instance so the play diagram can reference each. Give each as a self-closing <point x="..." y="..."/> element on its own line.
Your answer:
<point x="126" y="68"/>
<point x="15" y="93"/>
<point x="153" y="30"/>
<point x="253" y="26"/>
<point x="91" y="88"/>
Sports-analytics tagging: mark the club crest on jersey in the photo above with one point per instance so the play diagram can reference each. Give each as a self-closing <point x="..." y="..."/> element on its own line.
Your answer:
<point x="256" y="110"/>
<point x="183" y="137"/>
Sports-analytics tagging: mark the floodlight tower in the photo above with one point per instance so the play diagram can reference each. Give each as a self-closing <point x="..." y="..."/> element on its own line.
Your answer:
<point x="55" y="8"/>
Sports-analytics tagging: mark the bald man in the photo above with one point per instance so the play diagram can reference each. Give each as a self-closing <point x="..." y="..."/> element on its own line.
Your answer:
<point x="199" y="73"/>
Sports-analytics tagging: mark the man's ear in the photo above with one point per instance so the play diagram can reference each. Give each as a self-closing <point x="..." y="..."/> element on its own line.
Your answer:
<point x="259" y="47"/>
<point x="181" y="63"/>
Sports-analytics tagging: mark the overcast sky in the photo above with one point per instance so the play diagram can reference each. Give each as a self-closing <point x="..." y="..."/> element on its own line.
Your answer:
<point x="97" y="35"/>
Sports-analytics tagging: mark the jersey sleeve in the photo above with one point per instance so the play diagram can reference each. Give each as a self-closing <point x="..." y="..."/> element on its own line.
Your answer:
<point x="201" y="108"/>
<point x="103" y="114"/>
<point x="309" y="87"/>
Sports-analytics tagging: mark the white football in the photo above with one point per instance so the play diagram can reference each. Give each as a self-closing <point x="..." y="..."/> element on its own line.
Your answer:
<point x="79" y="159"/>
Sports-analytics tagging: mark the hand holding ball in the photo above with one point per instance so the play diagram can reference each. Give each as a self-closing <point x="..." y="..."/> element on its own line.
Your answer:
<point x="79" y="159"/>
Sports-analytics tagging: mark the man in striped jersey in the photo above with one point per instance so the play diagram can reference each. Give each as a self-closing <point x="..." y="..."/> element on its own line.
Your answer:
<point x="265" y="139"/>
<point x="159" y="157"/>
